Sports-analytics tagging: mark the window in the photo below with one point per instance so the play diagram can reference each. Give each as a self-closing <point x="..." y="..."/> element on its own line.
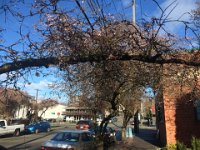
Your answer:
<point x="58" y="137"/>
<point x="66" y="136"/>
<point x="198" y="110"/>
<point x="2" y="123"/>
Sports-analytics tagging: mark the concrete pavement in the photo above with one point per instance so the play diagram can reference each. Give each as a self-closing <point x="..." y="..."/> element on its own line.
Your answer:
<point x="144" y="140"/>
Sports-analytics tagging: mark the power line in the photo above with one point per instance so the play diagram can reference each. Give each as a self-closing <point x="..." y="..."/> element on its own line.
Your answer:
<point x="141" y="12"/>
<point x="122" y="8"/>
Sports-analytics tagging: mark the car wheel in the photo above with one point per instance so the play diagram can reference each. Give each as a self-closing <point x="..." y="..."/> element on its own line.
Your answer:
<point x="17" y="132"/>
<point x="48" y="129"/>
<point x="36" y="131"/>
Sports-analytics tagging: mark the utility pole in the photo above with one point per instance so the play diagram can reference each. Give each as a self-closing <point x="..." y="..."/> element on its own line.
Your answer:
<point x="36" y="110"/>
<point x="133" y="11"/>
<point x="36" y="98"/>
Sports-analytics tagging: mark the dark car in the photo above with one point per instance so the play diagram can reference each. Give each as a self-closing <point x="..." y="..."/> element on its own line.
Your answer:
<point x="51" y="120"/>
<point x="85" y="124"/>
<point x="70" y="140"/>
<point x="42" y="126"/>
<point x="109" y="134"/>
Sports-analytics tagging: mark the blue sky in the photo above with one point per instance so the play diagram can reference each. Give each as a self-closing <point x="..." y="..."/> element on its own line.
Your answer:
<point x="144" y="9"/>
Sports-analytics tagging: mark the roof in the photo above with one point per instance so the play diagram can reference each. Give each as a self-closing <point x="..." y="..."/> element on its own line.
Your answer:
<point x="78" y="107"/>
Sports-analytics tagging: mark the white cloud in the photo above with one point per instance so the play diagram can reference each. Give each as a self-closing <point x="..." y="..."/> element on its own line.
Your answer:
<point x="41" y="86"/>
<point x="2" y="77"/>
<point x="181" y="10"/>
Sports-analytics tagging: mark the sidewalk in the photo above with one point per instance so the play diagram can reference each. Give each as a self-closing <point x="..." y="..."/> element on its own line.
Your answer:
<point x="145" y="140"/>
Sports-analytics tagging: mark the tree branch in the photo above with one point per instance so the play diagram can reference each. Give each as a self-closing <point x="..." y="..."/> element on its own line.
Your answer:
<point x="27" y="63"/>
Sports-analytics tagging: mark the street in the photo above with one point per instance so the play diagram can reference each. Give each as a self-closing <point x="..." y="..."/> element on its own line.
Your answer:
<point x="31" y="141"/>
<point x="34" y="141"/>
<point x="25" y="142"/>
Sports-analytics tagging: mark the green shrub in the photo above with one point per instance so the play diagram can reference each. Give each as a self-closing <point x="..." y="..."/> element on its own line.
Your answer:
<point x="169" y="147"/>
<point x="195" y="143"/>
<point x="177" y="146"/>
<point x="164" y="148"/>
<point x="180" y="146"/>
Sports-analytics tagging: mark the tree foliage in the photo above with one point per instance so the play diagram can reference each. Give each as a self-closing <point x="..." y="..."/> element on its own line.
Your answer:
<point x="100" y="57"/>
<point x="66" y="39"/>
<point x="12" y="100"/>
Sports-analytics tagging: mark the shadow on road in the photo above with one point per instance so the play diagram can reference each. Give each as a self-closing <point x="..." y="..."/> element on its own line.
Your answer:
<point x="29" y="141"/>
<point x="18" y="145"/>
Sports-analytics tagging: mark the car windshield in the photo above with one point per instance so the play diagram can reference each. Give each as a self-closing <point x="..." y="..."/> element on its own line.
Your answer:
<point x="66" y="136"/>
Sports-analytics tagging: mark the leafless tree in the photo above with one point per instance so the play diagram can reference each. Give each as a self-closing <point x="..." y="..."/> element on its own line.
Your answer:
<point x="11" y="100"/>
<point x="44" y="105"/>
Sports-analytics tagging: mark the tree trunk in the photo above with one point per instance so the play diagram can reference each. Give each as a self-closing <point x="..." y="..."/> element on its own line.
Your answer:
<point x="43" y="112"/>
<point x="127" y="117"/>
<point x="123" y="134"/>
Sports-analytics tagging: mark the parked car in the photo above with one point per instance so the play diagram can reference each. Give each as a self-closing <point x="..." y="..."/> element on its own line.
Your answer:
<point x="109" y="134"/>
<point x="6" y="128"/>
<point x="85" y="124"/>
<point x="42" y="126"/>
<point x="51" y="120"/>
<point x="70" y="140"/>
<point x="132" y="122"/>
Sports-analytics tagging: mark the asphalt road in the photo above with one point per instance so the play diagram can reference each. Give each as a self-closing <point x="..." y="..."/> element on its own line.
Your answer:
<point x="30" y="141"/>
<point x="25" y="142"/>
<point x="34" y="141"/>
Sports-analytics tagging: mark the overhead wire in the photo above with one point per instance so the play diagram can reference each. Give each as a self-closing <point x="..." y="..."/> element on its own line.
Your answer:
<point x="141" y="9"/>
<point x="123" y="9"/>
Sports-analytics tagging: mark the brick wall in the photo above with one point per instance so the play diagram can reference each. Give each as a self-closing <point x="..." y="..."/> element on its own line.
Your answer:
<point x="179" y="111"/>
<point x="177" y="97"/>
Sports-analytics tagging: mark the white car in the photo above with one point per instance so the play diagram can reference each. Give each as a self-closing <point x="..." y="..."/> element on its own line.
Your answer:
<point x="72" y="140"/>
<point x="10" y="129"/>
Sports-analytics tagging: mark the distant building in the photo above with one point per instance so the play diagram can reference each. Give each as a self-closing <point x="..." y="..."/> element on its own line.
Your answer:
<point x="21" y="112"/>
<point x="54" y="112"/>
<point x="79" y="113"/>
<point x="76" y="110"/>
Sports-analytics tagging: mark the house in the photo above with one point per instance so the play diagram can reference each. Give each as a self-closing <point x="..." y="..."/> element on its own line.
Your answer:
<point x="53" y="112"/>
<point x="12" y="100"/>
<point x="76" y="113"/>
<point x="76" y="110"/>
